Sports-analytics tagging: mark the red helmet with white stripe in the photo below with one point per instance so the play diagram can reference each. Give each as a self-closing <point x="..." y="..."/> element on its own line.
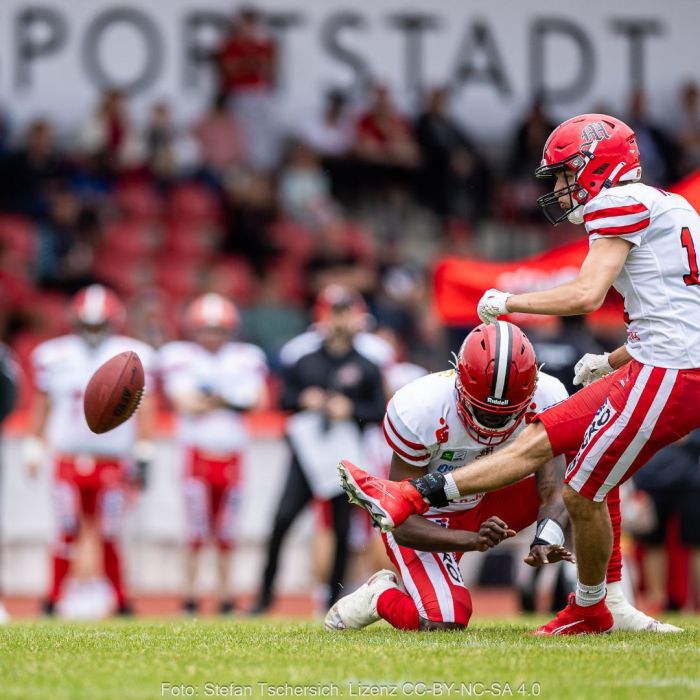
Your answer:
<point x="211" y="311"/>
<point x="496" y="377"/>
<point x="596" y="151"/>
<point x="95" y="310"/>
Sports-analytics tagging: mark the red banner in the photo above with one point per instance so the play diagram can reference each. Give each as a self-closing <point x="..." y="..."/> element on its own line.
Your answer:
<point x="458" y="284"/>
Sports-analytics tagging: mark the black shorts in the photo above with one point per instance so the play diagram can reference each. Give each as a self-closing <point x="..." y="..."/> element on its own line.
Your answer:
<point x="681" y="501"/>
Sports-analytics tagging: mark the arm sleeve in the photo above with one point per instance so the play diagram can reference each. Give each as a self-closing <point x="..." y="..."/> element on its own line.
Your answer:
<point x="609" y="215"/>
<point x="403" y="439"/>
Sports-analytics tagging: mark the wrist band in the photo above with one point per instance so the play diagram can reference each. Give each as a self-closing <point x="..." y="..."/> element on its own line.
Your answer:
<point x="549" y="531"/>
<point x="432" y="488"/>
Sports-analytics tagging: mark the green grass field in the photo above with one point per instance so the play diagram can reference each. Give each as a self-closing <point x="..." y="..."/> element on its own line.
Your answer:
<point x="278" y="658"/>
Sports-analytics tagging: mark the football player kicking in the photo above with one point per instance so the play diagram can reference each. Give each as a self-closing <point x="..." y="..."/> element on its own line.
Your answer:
<point x="439" y="423"/>
<point x="640" y="398"/>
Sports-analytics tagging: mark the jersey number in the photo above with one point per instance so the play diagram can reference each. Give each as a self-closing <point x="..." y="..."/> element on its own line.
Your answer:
<point x="689" y="245"/>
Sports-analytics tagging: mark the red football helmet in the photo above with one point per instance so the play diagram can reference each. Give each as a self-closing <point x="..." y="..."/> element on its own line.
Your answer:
<point x="598" y="150"/>
<point x="211" y="311"/>
<point x="496" y="376"/>
<point x="95" y="310"/>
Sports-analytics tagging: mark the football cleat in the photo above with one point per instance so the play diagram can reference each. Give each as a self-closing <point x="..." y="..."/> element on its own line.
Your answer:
<point x="388" y="503"/>
<point x="579" y="619"/>
<point x="359" y="609"/>
<point x="628" y="619"/>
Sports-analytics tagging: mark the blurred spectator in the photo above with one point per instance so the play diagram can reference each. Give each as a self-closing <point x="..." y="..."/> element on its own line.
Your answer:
<point x="247" y="64"/>
<point x="28" y="174"/>
<point x="334" y="393"/>
<point x="455" y="177"/>
<point x="250" y="211"/>
<point x="304" y="189"/>
<point x="671" y="479"/>
<point x="331" y="132"/>
<point x="160" y="143"/>
<point x="220" y="141"/>
<point x="9" y="388"/>
<point x="383" y="136"/>
<point x="108" y="138"/>
<point x="519" y="197"/>
<point x="67" y="240"/>
<point x="689" y="128"/>
<point x="343" y="255"/>
<point x="659" y="153"/>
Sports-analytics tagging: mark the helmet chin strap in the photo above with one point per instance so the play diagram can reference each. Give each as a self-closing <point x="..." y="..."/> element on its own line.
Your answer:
<point x="611" y="178"/>
<point x="575" y="216"/>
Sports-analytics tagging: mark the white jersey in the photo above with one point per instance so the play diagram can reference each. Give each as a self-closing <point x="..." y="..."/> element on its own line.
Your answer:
<point x="62" y="368"/>
<point x="372" y="347"/>
<point x="237" y="373"/>
<point x="423" y="427"/>
<point x="659" y="280"/>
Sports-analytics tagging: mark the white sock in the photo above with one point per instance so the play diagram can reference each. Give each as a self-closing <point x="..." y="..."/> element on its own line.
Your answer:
<point x="589" y="595"/>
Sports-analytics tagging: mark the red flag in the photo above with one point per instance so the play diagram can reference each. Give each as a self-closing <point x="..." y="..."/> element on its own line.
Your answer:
<point x="459" y="283"/>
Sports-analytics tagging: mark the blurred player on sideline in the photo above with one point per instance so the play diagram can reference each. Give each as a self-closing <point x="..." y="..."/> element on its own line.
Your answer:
<point x="90" y="471"/>
<point x="437" y="424"/>
<point x="366" y="550"/>
<point x="334" y="393"/>
<point x="211" y="380"/>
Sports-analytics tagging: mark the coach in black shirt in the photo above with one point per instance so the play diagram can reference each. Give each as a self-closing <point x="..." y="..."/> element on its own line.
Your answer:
<point x="339" y="384"/>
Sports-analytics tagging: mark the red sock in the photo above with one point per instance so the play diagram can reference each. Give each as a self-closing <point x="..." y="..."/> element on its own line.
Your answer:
<point x="615" y="564"/>
<point x="113" y="570"/>
<point x="60" y="565"/>
<point x="398" y="609"/>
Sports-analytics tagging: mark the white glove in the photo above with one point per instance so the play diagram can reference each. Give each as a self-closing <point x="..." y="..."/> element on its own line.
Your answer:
<point x="492" y="305"/>
<point x="591" y="367"/>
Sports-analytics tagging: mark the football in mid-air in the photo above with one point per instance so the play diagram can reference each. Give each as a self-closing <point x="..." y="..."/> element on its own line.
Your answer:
<point x="113" y="392"/>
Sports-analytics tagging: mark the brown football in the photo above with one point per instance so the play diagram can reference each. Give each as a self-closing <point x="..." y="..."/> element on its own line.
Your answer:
<point x="113" y="392"/>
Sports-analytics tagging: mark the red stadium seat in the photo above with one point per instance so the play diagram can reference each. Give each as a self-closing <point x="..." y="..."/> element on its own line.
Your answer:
<point x="194" y="204"/>
<point x="138" y="202"/>
<point x="294" y="240"/>
<point x="180" y="277"/>
<point x="233" y="277"/>
<point x="186" y="240"/>
<point x="127" y="274"/>
<point x="18" y="235"/>
<point x="132" y="238"/>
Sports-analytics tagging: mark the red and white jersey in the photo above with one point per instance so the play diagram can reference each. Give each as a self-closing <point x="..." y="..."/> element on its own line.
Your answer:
<point x="423" y="427"/>
<point x="62" y="368"/>
<point x="237" y="373"/>
<point x="659" y="280"/>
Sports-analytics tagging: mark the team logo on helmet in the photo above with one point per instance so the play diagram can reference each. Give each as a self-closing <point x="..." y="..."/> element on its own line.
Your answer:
<point x="594" y="132"/>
